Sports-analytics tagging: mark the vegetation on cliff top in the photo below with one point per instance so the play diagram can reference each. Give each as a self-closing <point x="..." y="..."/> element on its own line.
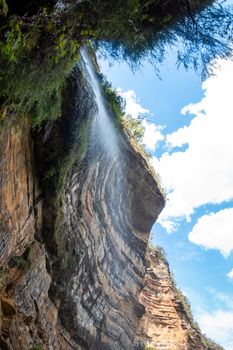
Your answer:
<point x="39" y="43"/>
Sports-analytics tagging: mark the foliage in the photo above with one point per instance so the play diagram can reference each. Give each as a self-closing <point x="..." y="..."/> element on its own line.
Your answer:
<point x="145" y="29"/>
<point x="39" y="44"/>
<point x="22" y="261"/>
<point x="115" y="103"/>
<point x="3" y="8"/>
<point x="187" y="307"/>
<point x="34" y="64"/>
<point x="151" y="247"/>
<point x="55" y="175"/>
<point x="37" y="347"/>
<point x="116" y="106"/>
<point x="34" y="90"/>
<point x="211" y="344"/>
<point x="2" y="279"/>
<point x="161" y="252"/>
<point x="135" y="127"/>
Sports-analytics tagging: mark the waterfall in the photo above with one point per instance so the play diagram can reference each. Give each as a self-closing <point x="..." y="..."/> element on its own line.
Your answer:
<point x="103" y="129"/>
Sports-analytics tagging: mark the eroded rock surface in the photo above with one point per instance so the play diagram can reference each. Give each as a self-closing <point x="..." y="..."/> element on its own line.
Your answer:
<point x="167" y="322"/>
<point x="73" y="264"/>
<point x="35" y="318"/>
<point x="110" y="204"/>
<point x="20" y="205"/>
<point x="103" y="248"/>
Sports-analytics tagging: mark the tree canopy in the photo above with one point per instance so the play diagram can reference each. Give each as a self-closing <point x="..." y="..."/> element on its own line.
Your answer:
<point x="40" y="42"/>
<point x="138" y="30"/>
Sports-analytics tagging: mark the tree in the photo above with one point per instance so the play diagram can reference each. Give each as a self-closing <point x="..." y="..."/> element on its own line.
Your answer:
<point x="140" y="30"/>
<point x="39" y="44"/>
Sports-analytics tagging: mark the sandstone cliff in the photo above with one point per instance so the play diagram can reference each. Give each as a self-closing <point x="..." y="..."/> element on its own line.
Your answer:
<point x="74" y="227"/>
<point x="111" y="201"/>
<point x="167" y="322"/>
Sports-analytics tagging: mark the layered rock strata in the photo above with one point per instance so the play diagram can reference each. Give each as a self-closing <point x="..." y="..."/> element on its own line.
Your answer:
<point x="27" y="316"/>
<point x="111" y="201"/>
<point x="20" y="205"/>
<point x="167" y="322"/>
<point x="73" y="262"/>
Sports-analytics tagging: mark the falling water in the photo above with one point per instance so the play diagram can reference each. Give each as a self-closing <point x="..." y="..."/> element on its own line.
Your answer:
<point x="102" y="128"/>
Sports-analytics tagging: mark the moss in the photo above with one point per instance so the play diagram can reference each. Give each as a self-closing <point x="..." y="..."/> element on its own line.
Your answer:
<point x="2" y="279"/>
<point x="150" y="247"/>
<point x="211" y="344"/>
<point x="58" y="171"/>
<point x="114" y="102"/>
<point x="3" y="8"/>
<point x="37" y="347"/>
<point x="21" y="262"/>
<point x="186" y="306"/>
<point x="135" y="127"/>
<point x="35" y="59"/>
<point x="37" y="92"/>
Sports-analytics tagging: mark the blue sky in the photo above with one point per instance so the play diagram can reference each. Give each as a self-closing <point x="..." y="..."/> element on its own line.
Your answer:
<point x="189" y="132"/>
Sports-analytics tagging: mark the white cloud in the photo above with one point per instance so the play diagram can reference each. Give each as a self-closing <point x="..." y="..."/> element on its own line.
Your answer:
<point x="214" y="231"/>
<point x="230" y="274"/>
<point x="220" y="298"/>
<point x="133" y="109"/>
<point x="152" y="135"/>
<point x="203" y="172"/>
<point x="218" y="325"/>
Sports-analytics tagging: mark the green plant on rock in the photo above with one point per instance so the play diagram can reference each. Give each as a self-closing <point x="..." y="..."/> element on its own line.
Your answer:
<point x="151" y="247"/>
<point x="135" y="127"/>
<point x="56" y="174"/>
<point x="37" y="92"/>
<point x="186" y="306"/>
<point x="11" y="47"/>
<point x="21" y="262"/>
<point x="3" y="8"/>
<point x="39" y="49"/>
<point x="35" y="60"/>
<point x="2" y="279"/>
<point x="114" y="102"/>
<point x="37" y="347"/>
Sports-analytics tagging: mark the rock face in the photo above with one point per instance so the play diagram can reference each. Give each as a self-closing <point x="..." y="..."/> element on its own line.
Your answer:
<point x="19" y="197"/>
<point x="26" y="313"/>
<point x="73" y="262"/>
<point x="110" y="203"/>
<point x="99" y="281"/>
<point x="167" y="322"/>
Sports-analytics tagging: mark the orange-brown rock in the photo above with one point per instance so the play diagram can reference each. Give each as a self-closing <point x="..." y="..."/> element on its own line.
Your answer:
<point x="19" y="210"/>
<point x="111" y="200"/>
<point x="72" y="270"/>
<point x="28" y="318"/>
<point x="167" y="323"/>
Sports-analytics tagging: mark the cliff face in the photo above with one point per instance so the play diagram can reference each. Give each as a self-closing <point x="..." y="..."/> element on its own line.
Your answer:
<point x="91" y="244"/>
<point x="167" y="322"/>
<point x="73" y="262"/>
<point x="102" y="249"/>
<point x="111" y="201"/>
<point x="26" y="313"/>
<point x="19" y="204"/>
